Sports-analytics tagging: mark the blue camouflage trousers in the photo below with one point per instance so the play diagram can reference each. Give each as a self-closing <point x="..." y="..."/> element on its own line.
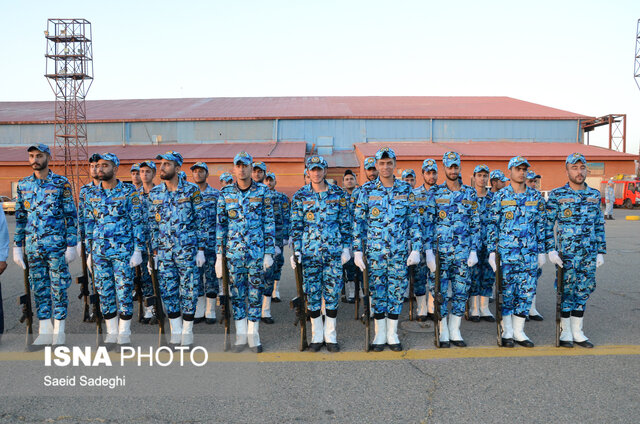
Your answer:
<point x="579" y="281"/>
<point x="114" y="283"/>
<point x="454" y="272"/>
<point x="178" y="278"/>
<point x="273" y="273"/>
<point x="388" y="281"/>
<point x="482" y="276"/>
<point x="322" y="275"/>
<point x="246" y="286"/>
<point x="49" y="278"/>
<point x="207" y="279"/>
<point x="422" y="274"/>
<point x="145" y="277"/>
<point x="519" y="286"/>
<point x="351" y="270"/>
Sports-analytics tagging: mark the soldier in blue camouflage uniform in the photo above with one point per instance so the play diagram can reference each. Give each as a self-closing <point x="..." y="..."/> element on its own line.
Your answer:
<point x="409" y="176"/>
<point x="207" y="274"/>
<point x="246" y="234"/>
<point x="580" y="238"/>
<point x="114" y="240"/>
<point x="147" y="174"/>
<point x="95" y="181"/>
<point x="482" y="276"/>
<point x="46" y="227"/>
<point x="497" y="180"/>
<point x="516" y="231"/>
<point x="281" y="215"/>
<point x="533" y="181"/>
<point x="135" y="175"/>
<point x="454" y="220"/>
<point x="386" y="223"/>
<point x="349" y="185"/>
<point x="176" y="217"/>
<point x="226" y="179"/>
<point x="320" y="233"/>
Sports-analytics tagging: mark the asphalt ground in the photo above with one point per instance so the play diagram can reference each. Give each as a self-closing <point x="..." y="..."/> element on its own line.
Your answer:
<point x="481" y="383"/>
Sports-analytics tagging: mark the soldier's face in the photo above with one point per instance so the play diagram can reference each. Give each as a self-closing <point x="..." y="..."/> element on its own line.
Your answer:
<point x="498" y="184"/>
<point x="530" y="183"/>
<point x="38" y="160"/>
<point x="371" y="173"/>
<point x="452" y="172"/>
<point x="481" y="179"/>
<point x="168" y="169"/>
<point x="242" y="171"/>
<point x="199" y="175"/>
<point x="385" y="167"/>
<point x="258" y="175"/>
<point x="317" y="175"/>
<point x="106" y="170"/>
<point x="93" y="170"/>
<point x="271" y="183"/>
<point x="135" y="178"/>
<point x="577" y="172"/>
<point x="430" y="177"/>
<point x="518" y="173"/>
<point x="349" y="181"/>
<point x="411" y="180"/>
<point x="147" y="174"/>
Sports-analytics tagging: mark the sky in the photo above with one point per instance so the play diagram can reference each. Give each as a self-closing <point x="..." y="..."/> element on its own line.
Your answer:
<point x="572" y="55"/>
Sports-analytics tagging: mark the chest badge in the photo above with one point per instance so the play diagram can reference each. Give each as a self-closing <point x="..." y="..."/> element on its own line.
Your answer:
<point x="233" y="213"/>
<point x="375" y="212"/>
<point x="508" y="215"/>
<point x="310" y="216"/>
<point x="27" y="205"/>
<point x="95" y="212"/>
<point x="567" y="213"/>
<point x="158" y="217"/>
<point x="421" y="210"/>
<point x="442" y="214"/>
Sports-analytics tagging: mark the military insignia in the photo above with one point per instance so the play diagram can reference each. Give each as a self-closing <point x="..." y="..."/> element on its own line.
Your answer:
<point x="158" y="217"/>
<point x="421" y="210"/>
<point x="267" y="200"/>
<point x="541" y="206"/>
<point x="135" y="200"/>
<point x="66" y="193"/>
<point x="315" y="159"/>
<point x="508" y="215"/>
<point x="567" y="213"/>
<point x="412" y="197"/>
<point x="474" y="205"/>
<point x="442" y="214"/>
<point x="233" y="213"/>
<point x="197" y="200"/>
<point x="27" y="205"/>
<point x="343" y="201"/>
<point x="375" y="212"/>
<point x="310" y="216"/>
<point x="95" y="212"/>
<point x="451" y="155"/>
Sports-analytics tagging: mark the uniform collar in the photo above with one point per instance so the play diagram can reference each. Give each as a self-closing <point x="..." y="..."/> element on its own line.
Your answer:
<point x="48" y="178"/>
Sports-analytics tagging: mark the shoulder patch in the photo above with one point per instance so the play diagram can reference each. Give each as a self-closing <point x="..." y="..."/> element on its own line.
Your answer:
<point x="508" y="203"/>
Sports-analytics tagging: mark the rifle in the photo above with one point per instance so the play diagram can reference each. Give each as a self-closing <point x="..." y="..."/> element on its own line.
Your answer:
<point x="137" y="294"/>
<point x="25" y="301"/>
<point x="225" y="300"/>
<point x="559" y="298"/>
<point x="499" y="298"/>
<point x="83" y="281"/>
<point x="438" y="300"/>
<point x="412" y="281"/>
<point x="356" y="282"/>
<point x="366" y="306"/>
<point x="156" y="301"/>
<point x="94" y="300"/>
<point x="299" y="305"/>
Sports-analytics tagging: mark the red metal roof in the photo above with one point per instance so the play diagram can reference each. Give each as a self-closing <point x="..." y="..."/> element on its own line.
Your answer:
<point x="496" y="150"/>
<point x="252" y="108"/>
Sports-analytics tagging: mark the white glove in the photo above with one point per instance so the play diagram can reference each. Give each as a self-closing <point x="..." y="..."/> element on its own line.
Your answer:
<point x="541" y="260"/>
<point x="345" y="255"/>
<point x="554" y="258"/>
<point x="219" y="265"/>
<point x="431" y="260"/>
<point x="473" y="259"/>
<point x="136" y="259"/>
<point x="358" y="259"/>
<point x="200" y="260"/>
<point x="492" y="261"/>
<point x="599" y="260"/>
<point x="70" y="254"/>
<point x="18" y="257"/>
<point x="293" y="259"/>
<point x="278" y="250"/>
<point x="89" y="262"/>
<point x="414" y="258"/>
<point x="268" y="261"/>
<point x="79" y="249"/>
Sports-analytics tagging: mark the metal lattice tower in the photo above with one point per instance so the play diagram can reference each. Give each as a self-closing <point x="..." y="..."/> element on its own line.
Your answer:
<point x="69" y="71"/>
<point x="636" y="68"/>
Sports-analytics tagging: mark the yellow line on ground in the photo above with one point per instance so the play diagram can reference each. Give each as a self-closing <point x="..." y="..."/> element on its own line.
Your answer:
<point x="425" y="354"/>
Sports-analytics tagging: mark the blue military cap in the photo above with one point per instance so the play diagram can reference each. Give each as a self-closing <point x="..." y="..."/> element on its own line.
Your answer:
<point x="408" y="173"/>
<point x="199" y="165"/>
<point x="481" y="168"/>
<point x="369" y="163"/>
<point x="270" y="175"/>
<point x="148" y="164"/>
<point x="497" y="174"/>
<point x="451" y="158"/>
<point x="576" y="157"/>
<point x="94" y="158"/>
<point x="174" y="156"/>
<point x="316" y="162"/>
<point x="260" y="165"/>
<point x="385" y="151"/>
<point x="532" y="175"/>
<point x="42" y="147"/>
<point x="111" y="157"/>
<point x="225" y="176"/>
<point x="182" y="175"/>
<point x="429" y="165"/>
<point x="517" y="161"/>
<point x="135" y="167"/>
<point x="244" y="158"/>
